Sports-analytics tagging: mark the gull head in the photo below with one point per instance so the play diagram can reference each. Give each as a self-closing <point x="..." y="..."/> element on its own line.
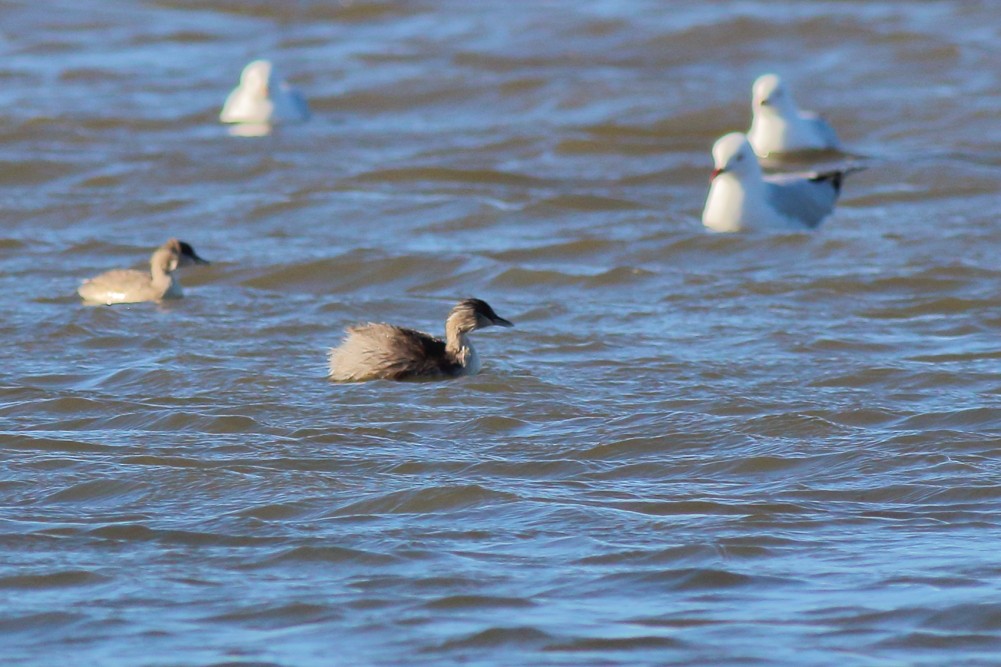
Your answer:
<point x="732" y="154"/>
<point x="768" y="91"/>
<point x="256" y="75"/>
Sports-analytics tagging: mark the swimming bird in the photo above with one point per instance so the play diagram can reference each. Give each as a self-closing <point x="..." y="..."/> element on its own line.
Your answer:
<point x="388" y="352"/>
<point x="778" y="126"/>
<point x="262" y="97"/>
<point x="131" y="286"/>
<point x="742" y="197"/>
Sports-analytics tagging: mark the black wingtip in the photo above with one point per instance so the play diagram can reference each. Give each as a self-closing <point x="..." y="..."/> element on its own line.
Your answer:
<point x="837" y="176"/>
<point x="836" y="180"/>
<point x="834" y="177"/>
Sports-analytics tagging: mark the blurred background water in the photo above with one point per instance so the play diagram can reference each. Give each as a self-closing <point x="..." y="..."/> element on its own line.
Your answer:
<point x="692" y="449"/>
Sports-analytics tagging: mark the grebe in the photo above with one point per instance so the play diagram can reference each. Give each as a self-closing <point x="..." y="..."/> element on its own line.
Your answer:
<point x="387" y="352"/>
<point x="778" y="126"/>
<point x="262" y="98"/>
<point x="741" y="197"/>
<point x="131" y="286"/>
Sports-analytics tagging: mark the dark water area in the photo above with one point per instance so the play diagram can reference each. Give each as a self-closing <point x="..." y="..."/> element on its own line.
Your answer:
<point x="692" y="449"/>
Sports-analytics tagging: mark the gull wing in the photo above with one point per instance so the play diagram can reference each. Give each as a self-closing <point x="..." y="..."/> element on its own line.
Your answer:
<point x="822" y="128"/>
<point x="804" y="198"/>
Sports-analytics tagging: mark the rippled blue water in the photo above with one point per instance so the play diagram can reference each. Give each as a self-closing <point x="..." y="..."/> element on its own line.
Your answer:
<point x="691" y="449"/>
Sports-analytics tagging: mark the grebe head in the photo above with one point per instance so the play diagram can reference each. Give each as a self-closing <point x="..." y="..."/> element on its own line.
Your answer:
<point x="174" y="254"/>
<point x="471" y="314"/>
<point x="183" y="252"/>
<point x="187" y="254"/>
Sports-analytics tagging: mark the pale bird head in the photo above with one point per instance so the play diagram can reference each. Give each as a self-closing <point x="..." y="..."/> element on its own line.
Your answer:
<point x="769" y="91"/>
<point x="732" y="154"/>
<point x="257" y="76"/>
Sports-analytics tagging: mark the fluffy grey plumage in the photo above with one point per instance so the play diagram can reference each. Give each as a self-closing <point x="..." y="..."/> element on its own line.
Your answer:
<point x="388" y="352"/>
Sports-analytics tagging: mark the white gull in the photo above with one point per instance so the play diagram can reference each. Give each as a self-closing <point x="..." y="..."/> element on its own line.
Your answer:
<point x="263" y="97"/>
<point x="742" y="197"/>
<point x="778" y="126"/>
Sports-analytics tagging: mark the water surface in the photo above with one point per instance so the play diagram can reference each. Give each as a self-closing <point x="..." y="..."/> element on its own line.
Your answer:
<point x="692" y="449"/>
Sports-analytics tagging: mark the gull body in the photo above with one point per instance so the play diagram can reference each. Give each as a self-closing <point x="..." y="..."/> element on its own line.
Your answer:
<point x="131" y="286"/>
<point x="388" y="352"/>
<point x="779" y="126"/>
<point x="263" y="98"/>
<point x="742" y="197"/>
